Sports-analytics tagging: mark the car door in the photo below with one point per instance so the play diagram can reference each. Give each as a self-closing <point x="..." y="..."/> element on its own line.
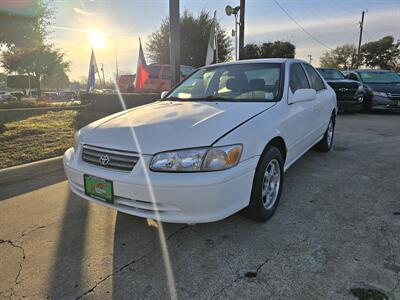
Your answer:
<point x="298" y="124"/>
<point x="321" y="110"/>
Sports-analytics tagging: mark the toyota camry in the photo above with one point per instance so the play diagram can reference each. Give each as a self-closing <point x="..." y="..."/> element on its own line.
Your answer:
<point x="217" y="143"/>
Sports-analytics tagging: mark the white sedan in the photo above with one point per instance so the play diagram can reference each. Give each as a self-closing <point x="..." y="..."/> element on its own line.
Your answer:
<point x="217" y="143"/>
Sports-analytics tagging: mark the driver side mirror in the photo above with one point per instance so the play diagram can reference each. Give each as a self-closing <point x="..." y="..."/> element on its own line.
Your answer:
<point x="163" y="94"/>
<point x="303" y="95"/>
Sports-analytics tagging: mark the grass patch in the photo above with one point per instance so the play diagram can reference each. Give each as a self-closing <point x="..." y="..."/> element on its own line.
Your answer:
<point x="32" y="103"/>
<point x="37" y="137"/>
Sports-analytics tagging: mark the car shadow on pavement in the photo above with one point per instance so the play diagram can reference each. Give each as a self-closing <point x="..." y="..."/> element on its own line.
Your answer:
<point x="9" y="190"/>
<point x="68" y="262"/>
<point x="197" y="253"/>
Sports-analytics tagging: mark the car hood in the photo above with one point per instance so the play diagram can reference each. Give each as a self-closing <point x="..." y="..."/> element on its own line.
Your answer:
<point x="343" y="83"/>
<point x="169" y="125"/>
<point x="386" y="87"/>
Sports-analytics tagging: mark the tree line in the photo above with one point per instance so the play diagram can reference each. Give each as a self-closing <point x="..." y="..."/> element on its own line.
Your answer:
<point x="28" y="50"/>
<point x="383" y="54"/>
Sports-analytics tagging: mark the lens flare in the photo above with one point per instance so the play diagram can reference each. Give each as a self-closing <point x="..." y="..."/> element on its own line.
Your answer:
<point x="158" y="225"/>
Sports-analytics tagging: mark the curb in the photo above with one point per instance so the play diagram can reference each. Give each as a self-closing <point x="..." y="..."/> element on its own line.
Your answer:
<point x="29" y="170"/>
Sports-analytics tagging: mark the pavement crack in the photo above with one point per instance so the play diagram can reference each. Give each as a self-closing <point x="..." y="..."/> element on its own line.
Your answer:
<point x="134" y="261"/>
<point x="253" y="274"/>
<point x="392" y="253"/>
<point x="16" y="280"/>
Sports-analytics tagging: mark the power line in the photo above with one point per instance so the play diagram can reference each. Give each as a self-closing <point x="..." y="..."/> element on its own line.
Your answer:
<point x="315" y="14"/>
<point x="302" y="28"/>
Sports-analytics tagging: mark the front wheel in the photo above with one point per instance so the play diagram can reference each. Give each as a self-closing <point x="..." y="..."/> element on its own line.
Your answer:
<point x="326" y="143"/>
<point x="267" y="186"/>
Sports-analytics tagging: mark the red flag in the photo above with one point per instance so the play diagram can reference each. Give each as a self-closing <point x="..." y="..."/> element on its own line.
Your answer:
<point x="141" y="72"/>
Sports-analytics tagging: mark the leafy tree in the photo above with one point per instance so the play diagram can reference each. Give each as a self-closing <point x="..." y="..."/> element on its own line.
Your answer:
<point x="277" y="49"/>
<point x="41" y="61"/>
<point x="195" y="33"/>
<point x="383" y="53"/>
<point x="251" y="51"/>
<point x="25" y="26"/>
<point x="342" y="57"/>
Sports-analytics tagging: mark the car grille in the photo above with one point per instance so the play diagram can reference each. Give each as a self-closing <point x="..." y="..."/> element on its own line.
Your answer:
<point x="345" y="92"/>
<point x="108" y="158"/>
<point x="394" y="96"/>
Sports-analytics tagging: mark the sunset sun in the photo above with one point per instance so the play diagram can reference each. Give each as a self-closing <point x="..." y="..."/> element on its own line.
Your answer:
<point x="96" y="38"/>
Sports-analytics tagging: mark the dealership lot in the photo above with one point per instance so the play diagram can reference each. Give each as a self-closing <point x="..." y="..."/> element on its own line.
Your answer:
<point x="336" y="230"/>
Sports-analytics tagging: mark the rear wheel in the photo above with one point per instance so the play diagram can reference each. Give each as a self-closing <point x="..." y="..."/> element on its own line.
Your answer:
<point x="267" y="186"/>
<point x="326" y="143"/>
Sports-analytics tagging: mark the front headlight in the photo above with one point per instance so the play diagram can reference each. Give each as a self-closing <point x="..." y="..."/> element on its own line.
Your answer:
<point x="381" y="94"/>
<point x="76" y="141"/>
<point x="197" y="159"/>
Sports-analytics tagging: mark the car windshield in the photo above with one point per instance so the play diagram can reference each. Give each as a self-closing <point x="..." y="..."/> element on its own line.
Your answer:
<point x="238" y="82"/>
<point x="380" y="77"/>
<point x="331" y="74"/>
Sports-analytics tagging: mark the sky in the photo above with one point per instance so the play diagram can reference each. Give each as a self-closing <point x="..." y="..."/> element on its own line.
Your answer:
<point x="122" y="22"/>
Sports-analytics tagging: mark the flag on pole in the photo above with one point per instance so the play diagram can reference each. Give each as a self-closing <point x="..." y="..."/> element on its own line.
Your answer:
<point x="212" y="42"/>
<point x="92" y="73"/>
<point x="141" y="72"/>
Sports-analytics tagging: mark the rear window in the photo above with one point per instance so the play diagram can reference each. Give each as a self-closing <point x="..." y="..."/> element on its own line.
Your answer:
<point x="331" y="74"/>
<point x="380" y="77"/>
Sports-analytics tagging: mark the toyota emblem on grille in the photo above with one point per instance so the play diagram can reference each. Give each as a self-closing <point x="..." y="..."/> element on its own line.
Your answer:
<point x="343" y="89"/>
<point x="104" y="159"/>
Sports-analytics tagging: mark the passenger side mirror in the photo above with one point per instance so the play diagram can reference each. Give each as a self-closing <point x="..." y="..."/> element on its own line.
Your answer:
<point x="163" y="94"/>
<point x="303" y="95"/>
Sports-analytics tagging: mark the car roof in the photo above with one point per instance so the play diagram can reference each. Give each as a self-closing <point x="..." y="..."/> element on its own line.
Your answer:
<point x="167" y="65"/>
<point x="326" y="68"/>
<point x="371" y="70"/>
<point x="258" y="61"/>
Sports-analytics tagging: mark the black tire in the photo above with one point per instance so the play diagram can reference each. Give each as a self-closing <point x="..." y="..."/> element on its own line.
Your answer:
<point x="325" y="145"/>
<point x="259" y="209"/>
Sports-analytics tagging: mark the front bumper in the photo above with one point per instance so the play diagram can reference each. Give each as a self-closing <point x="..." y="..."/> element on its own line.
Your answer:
<point x="349" y="106"/>
<point x="170" y="197"/>
<point x="383" y="103"/>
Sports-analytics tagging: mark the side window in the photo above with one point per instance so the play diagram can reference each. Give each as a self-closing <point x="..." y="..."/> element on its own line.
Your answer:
<point x="166" y="74"/>
<point x="316" y="81"/>
<point x="353" y="76"/>
<point x="298" y="79"/>
<point x="154" y="72"/>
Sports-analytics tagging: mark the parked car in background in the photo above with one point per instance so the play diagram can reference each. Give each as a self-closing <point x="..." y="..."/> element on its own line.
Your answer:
<point x="382" y="89"/>
<point x="159" y="79"/>
<point x="7" y="96"/>
<point x="219" y="142"/>
<point x="349" y="93"/>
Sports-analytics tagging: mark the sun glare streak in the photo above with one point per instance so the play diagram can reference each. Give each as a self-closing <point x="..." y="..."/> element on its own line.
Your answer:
<point x="160" y="229"/>
<point x="96" y="38"/>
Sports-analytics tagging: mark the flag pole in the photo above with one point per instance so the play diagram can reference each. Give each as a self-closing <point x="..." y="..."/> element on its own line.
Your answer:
<point x="97" y="70"/>
<point x="216" y="37"/>
<point x="116" y="62"/>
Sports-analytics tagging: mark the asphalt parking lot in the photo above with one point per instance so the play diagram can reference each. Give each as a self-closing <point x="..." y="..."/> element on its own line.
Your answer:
<point x="335" y="235"/>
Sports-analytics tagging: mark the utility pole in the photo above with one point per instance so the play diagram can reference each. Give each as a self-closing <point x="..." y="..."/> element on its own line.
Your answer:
<point x="174" y="42"/>
<point x="360" y="39"/>
<point x="102" y="71"/>
<point x="309" y="58"/>
<point x="241" y="28"/>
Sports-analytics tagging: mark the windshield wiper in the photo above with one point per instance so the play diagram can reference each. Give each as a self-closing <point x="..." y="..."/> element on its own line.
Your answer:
<point x="173" y="98"/>
<point x="214" y="98"/>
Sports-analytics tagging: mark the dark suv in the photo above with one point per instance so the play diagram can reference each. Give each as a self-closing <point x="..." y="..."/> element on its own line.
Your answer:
<point x="382" y="88"/>
<point x="349" y="93"/>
